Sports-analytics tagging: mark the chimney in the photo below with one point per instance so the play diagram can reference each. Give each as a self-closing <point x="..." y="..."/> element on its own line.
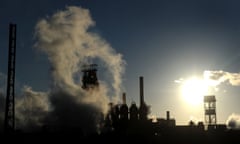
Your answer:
<point x="168" y="115"/>
<point x="141" y="90"/>
<point x="124" y="98"/>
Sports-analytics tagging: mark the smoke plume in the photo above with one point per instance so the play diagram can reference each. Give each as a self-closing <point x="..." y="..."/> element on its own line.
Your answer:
<point x="218" y="77"/>
<point x="66" y="39"/>
<point x="31" y="109"/>
<point x="233" y="121"/>
<point x="3" y="79"/>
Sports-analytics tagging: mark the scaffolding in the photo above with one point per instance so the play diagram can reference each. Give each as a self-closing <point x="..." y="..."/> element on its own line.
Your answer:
<point x="9" y="122"/>
<point x="210" y="110"/>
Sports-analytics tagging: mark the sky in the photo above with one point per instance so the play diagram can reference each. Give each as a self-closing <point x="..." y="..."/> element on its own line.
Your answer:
<point x="167" y="42"/>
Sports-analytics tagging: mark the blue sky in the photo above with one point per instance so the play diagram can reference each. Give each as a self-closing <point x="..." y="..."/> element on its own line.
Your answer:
<point x="159" y="39"/>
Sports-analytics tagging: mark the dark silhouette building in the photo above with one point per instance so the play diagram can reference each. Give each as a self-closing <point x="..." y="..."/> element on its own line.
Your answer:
<point x="133" y="112"/>
<point x="130" y="120"/>
<point x="89" y="78"/>
<point x="124" y="109"/>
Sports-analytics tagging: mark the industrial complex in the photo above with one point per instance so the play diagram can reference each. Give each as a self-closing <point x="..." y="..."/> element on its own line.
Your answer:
<point x="128" y="123"/>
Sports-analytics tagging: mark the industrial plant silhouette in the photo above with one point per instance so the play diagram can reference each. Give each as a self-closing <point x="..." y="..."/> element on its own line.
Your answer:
<point x="123" y="123"/>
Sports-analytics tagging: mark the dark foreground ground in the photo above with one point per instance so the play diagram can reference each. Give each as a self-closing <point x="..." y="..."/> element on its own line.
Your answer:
<point x="230" y="137"/>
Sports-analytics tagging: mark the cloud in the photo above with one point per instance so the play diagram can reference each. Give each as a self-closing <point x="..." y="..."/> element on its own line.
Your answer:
<point x="233" y="121"/>
<point x="178" y="81"/>
<point x="218" y="77"/>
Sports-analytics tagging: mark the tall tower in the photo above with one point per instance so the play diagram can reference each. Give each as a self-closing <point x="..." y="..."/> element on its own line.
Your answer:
<point x="143" y="108"/>
<point x="210" y="110"/>
<point x="89" y="79"/>
<point x="9" y="123"/>
<point x="141" y="90"/>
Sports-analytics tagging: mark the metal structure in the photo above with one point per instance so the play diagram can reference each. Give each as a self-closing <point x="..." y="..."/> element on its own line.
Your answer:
<point x="168" y="115"/>
<point x="124" y="98"/>
<point x="210" y="110"/>
<point x="9" y="123"/>
<point x="143" y="108"/>
<point x="141" y="90"/>
<point x="89" y="79"/>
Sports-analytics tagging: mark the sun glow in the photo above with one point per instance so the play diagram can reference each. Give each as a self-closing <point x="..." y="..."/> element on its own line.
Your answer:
<point x="193" y="90"/>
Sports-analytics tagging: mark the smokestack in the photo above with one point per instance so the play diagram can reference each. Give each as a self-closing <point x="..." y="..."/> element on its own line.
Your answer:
<point x="168" y="115"/>
<point x="141" y="90"/>
<point x="124" y="98"/>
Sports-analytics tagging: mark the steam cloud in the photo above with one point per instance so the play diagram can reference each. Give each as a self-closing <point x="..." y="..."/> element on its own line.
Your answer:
<point x="66" y="39"/>
<point x="3" y="79"/>
<point x="218" y="77"/>
<point x="31" y="109"/>
<point x="68" y="43"/>
<point x="233" y="121"/>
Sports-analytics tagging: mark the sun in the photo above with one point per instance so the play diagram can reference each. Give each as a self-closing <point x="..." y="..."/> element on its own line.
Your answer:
<point x="193" y="90"/>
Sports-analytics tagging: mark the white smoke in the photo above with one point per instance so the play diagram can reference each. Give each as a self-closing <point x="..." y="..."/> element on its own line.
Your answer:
<point x="218" y="77"/>
<point x="3" y="80"/>
<point x="233" y="121"/>
<point x="67" y="41"/>
<point x="31" y="109"/>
